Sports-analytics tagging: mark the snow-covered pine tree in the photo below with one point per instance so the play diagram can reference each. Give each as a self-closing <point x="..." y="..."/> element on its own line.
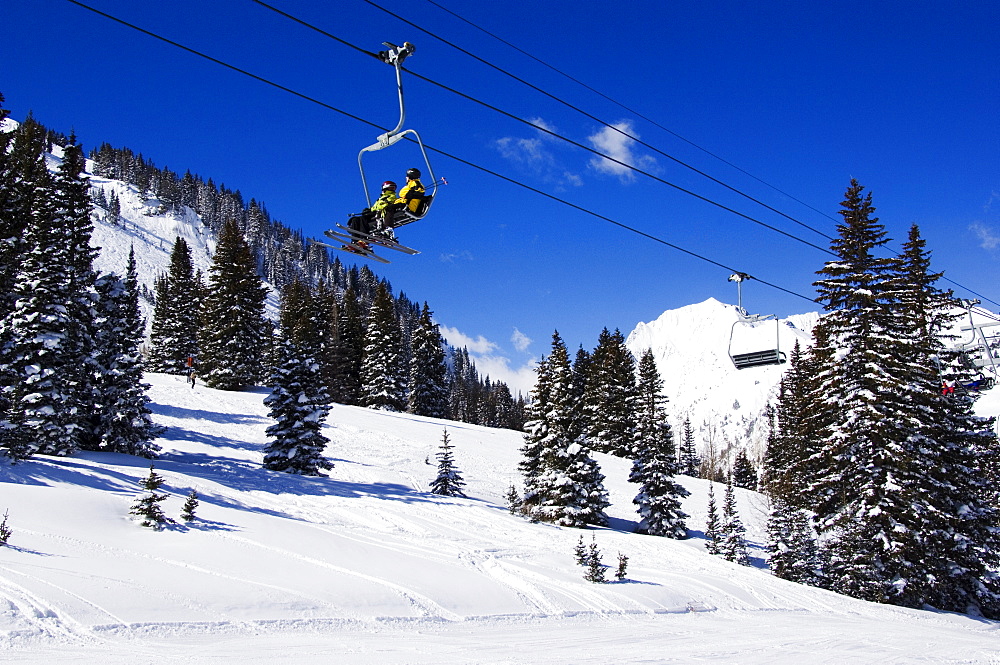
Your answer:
<point x="581" y="372"/>
<point x="298" y="402"/>
<point x="5" y="531"/>
<point x="331" y="356"/>
<point x="744" y="475"/>
<point x="713" y="527"/>
<point x="580" y="552"/>
<point x="856" y="478"/>
<point x="233" y="330"/>
<point x="688" y="456"/>
<point x="428" y="371"/>
<point x="562" y="483"/>
<point x="786" y="444"/>
<point x="122" y="418"/>
<point x="190" y="505"/>
<point x="622" y="570"/>
<point x="147" y="506"/>
<point x="449" y="481"/>
<point x="595" y="565"/>
<point x="884" y="484"/>
<point x="949" y="541"/>
<point x="513" y="500"/>
<point x="13" y="216"/>
<point x="73" y="213"/>
<point x="382" y="385"/>
<point x="47" y="355"/>
<point x="655" y="464"/>
<point x="732" y="544"/>
<point x="346" y="380"/>
<point x="173" y="334"/>
<point x="791" y="544"/>
<point x="609" y="399"/>
<point x="23" y="182"/>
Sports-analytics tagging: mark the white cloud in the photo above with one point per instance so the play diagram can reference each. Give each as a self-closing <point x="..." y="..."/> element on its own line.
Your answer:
<point x="613" y="142"/>
<point x="535" y="155"/>
<point x="498" y="368"/>
<point x="490" y="361"/>
<point x="464" y="255"/>
<point x="520" y="340"/>
<point x="988" y="237"/>
<point x="524" y="151"/>
<point x="479" y="345"/>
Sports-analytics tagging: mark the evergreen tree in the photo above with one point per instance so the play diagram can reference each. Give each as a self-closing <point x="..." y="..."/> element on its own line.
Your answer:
<point x="655" y="464"/>
<point x="581" y="371"/>
<point x="713" y="527"/>
<point x="5" y="531"/>
<point x="233" y="328"/>
<point x="948" y="549"/>
<point x="732" y="544"/>
<point x="346" y="388"/>
<point x="122" y="418"/>
<point x="791" y="544"/>
<point x="904" y="510"/>
<point x="513" y="500"/>
<point x="855" y="485"/>
<point x="622" y="567"/>
<point x="428" y="371"/>
<point x="174" y="328"/>
<point x="580" y="552"/>
<point x="147" y="507"/>
<point x="381" y="371"/>
<point x="595" y="566"/>
<point x="47" y="353"/>
<point x="562" y="483"/>
<point x="787" y="444"/>
<point x="609" y="400"/>
<point x="190" y="505"/>
<point x="689" y="460"/>
<point x="298" y="402"/>
<point x="448" y="481"/>
<point x="23" y="187"/>
<point x="744" y="475"/>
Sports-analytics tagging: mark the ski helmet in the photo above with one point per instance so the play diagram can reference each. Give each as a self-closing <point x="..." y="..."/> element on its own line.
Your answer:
<point x="388" y="184"/>
<point x="413" y="174"/>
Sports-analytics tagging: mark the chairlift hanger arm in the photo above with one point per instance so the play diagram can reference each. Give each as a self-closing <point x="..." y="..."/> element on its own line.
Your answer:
<point x="395" y="55"/>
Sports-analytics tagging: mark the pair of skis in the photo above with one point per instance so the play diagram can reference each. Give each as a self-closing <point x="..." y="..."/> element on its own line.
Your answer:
<point x="352" y="243"/>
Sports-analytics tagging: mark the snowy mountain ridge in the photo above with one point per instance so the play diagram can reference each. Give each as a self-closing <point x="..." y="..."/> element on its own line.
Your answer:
<point x="691" y="345"/>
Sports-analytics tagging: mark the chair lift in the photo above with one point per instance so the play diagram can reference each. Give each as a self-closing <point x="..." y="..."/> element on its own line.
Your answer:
<point x="395" y="56"/>
<point x="981" y="352"/>
<point x="744" y="360"/>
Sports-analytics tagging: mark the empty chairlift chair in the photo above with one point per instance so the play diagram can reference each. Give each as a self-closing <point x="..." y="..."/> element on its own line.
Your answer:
<point x="749" y="346"/>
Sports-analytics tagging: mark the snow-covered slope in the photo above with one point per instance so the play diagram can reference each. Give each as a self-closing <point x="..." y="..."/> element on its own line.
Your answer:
<point x="366" y="567"/>
<point x="692" y="345"/>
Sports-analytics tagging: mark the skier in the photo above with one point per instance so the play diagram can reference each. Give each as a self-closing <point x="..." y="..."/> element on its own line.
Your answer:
<point x="412" y="194"/>
<point x="385" y="209"/>
<point x="362" y="223"/>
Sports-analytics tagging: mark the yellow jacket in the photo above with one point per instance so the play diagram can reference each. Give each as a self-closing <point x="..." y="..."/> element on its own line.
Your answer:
<point x="387" y="199"/>
<point x="416" y="194"/>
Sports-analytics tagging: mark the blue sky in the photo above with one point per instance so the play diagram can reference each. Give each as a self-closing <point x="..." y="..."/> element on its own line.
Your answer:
<point x="792" y="96"/>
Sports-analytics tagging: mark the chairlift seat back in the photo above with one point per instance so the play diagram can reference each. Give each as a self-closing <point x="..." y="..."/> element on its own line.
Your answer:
<point x="758" y="358"/>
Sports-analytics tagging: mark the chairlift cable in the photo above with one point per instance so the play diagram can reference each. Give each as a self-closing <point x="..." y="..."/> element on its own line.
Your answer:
<point x="571" y="141"/>
<point x="535" y="190"/>
<point x="626" y="134"/>
<point x="636" y="113"/>
<point x="599" y="121"/>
